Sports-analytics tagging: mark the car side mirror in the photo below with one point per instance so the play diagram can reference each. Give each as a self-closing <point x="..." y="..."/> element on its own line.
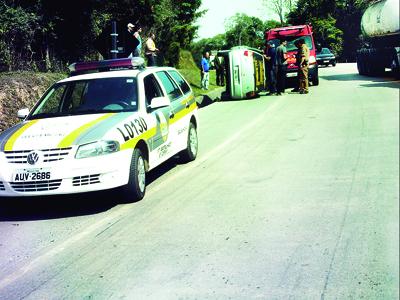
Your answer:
<point x="22" y="113"/>
<point x="159" y="102"/>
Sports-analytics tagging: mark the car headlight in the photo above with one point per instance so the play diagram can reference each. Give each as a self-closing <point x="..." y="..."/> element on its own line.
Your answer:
<point x="97" y="148"/>
<point x="311" y="59"/>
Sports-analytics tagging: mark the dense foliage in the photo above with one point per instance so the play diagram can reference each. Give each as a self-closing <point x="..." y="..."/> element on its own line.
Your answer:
<point x="336" y="23"/>
<point x="48" y="34"/>
<point x="241" y="29"/>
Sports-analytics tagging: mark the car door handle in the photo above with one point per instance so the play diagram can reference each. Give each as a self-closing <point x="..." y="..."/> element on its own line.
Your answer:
<point x="171" y="115"/>
<point x="187" y="104"/>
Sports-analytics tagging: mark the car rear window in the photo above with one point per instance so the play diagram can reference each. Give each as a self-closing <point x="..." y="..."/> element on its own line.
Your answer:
<point x="170" y="86"/>
<point x="181" y="82"/>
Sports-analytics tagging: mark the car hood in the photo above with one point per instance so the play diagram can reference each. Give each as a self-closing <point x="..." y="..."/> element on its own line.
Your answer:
<point x="60" y="132"/>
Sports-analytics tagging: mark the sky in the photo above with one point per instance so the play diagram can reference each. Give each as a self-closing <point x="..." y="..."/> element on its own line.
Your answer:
<point x="212" y="23"/>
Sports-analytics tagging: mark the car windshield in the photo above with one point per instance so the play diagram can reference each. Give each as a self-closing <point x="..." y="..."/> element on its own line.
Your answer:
<point x="291" y="40"/>
<point x="325" y="51"/>
<point x="100" y="95"/>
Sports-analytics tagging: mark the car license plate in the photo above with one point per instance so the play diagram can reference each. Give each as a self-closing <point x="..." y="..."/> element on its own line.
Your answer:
<point x="291" y="74"/>
<point x="31" y="175"/>
<point x="326" y="61"/>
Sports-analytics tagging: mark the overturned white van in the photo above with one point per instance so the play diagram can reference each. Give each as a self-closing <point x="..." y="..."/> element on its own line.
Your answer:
<point x="244" y="71"/>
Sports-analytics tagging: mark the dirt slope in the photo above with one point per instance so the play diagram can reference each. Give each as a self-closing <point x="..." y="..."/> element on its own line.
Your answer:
<point x="21" y="90"/>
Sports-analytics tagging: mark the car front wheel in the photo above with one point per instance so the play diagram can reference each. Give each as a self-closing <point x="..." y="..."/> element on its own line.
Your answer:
<point x="190" y="153"/>
<point x="136" y="187"/>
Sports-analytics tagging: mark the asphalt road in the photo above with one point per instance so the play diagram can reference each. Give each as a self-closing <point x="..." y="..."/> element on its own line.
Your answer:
<point x="291" y="197"/>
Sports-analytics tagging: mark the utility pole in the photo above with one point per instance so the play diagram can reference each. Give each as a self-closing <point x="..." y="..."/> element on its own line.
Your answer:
<point x="114" y="35"/>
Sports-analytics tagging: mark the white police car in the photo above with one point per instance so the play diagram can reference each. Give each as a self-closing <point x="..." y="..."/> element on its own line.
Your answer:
<point x="103" y="127"/>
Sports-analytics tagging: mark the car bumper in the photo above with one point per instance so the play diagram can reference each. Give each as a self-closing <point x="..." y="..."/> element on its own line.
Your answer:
<point x="67" y="176"/>
<point x="325" y="61"/>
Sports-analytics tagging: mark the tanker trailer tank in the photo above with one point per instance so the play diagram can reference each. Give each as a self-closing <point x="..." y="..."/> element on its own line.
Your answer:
<point x="381" y="32"/>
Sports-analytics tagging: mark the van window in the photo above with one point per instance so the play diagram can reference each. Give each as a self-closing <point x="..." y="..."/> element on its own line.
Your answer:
<point x="181" y="82"/>
<point x="173" y="91"/>
<point x="292" y="39"/>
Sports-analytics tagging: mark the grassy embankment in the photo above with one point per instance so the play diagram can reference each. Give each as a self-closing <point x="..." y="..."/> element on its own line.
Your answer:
<point x="191" y="72"/>
<point x="22" y="89"/>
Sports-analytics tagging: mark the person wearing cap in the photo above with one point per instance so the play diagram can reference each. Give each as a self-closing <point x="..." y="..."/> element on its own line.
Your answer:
<point x="131" y="41"/>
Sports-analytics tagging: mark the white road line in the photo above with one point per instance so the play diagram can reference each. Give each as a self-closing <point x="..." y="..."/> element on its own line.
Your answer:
<point x="117" y="213"/>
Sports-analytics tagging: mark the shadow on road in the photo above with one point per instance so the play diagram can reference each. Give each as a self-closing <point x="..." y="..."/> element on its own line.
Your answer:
<point x="386" y="78"/>
<point x="205" y="101"/>
<point x="73" y="205"/>
<point x="387" y="84"/>
<point x="226" y="98"/>
<point x="55" y="207"/>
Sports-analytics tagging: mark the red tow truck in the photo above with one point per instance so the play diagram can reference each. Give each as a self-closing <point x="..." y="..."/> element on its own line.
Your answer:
<point x="292" y="34"/>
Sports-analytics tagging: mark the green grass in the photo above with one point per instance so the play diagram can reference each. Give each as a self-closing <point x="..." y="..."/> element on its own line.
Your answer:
<point x="191" y="72"/>
<point x="193" y="77"/>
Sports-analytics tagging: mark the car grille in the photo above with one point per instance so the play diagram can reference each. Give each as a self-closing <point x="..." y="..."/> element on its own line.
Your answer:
<point x="2" y="188"/>
<point x="20" y="157"/>
<point x="86" y="180"/>
<point x="36" y="186"/>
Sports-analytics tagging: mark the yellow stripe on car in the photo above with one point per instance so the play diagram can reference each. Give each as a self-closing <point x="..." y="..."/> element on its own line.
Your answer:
<point x="182" y="113"/>
<point x="145" y="136"/>
<point x="10" y="143"/>
<point x="70" y="138"/>
<point x="187" y="99"/>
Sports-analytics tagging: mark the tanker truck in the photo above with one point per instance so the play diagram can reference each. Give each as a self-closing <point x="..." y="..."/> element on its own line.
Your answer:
<point x="381" y="35"/>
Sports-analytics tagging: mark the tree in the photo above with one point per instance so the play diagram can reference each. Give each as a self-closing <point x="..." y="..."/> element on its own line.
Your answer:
<point x="242" y="29"/>
<point x="349" y="15"/>
<point x="17" y="31"/>
<point x="217" y="42"/>
<point x="280" y="7"/>
<point x="327" y="34"/>
<point x="336" y="24"/>
<point x="50" y="34"/>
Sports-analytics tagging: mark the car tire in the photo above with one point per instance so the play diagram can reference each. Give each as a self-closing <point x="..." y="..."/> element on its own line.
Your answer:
<point x="334" y="64"/>
<point x="190" y="153"/>
<point x="136" y="187"/>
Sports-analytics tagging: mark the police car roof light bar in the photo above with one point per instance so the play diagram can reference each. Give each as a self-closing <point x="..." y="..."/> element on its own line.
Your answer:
<point x="119" y="63"/>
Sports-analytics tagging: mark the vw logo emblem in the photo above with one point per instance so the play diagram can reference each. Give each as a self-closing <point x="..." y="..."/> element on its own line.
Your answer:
<point x="33" y="158"/>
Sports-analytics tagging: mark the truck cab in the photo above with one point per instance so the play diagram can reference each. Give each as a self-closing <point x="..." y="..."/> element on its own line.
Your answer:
<point x="291" y="34"/>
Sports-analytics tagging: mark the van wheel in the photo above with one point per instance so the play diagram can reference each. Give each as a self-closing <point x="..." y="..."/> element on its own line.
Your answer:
<point x="190" y="153"/>
<point x="136" y="187"/>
